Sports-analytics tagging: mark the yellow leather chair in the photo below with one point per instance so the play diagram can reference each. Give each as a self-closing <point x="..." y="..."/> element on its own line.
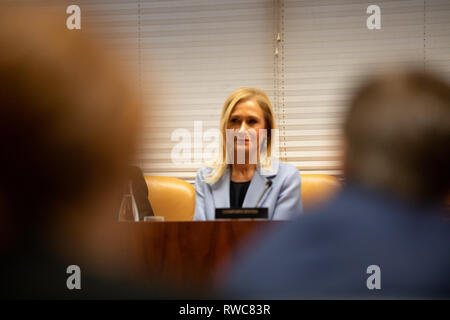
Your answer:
<point x="175" y="198"/>
<point x="171" y="197"/>
<point x="317" y="188"/>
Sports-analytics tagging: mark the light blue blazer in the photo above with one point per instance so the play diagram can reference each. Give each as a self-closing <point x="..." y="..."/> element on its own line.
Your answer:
<point x="282" y="198"/>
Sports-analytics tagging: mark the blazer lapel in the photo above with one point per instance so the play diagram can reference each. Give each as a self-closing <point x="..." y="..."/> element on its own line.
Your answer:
<point x="221" y="191"/>
<point x="258" y="183"/>
<point x="255" y="190"/>
<point x="221" y="188"/>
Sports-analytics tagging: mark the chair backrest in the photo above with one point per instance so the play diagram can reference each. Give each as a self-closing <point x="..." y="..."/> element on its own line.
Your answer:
<point x="175" y="198"/>
<point x="171" y="197"/>
<point x="316" y="188"/>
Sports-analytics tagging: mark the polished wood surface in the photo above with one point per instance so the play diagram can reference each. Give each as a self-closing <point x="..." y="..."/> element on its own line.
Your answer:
<point x="194" y="253"/>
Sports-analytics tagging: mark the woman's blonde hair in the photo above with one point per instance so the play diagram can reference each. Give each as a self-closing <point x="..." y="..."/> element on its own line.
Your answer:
<point x="242" y="94"/>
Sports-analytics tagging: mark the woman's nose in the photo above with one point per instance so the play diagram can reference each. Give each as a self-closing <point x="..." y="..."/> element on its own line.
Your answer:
<point x="243" y="127"/>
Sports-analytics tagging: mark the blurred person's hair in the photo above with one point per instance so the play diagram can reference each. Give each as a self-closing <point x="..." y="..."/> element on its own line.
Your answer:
<point x="398" y="136"/>
<point x="68" y="118"/>
<point x="237" y="96"/>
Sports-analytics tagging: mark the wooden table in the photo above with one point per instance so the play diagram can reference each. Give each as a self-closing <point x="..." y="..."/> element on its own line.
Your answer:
<point x="193" y="253"/>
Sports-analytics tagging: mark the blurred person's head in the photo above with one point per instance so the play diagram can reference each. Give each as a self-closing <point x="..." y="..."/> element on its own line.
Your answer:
<point x="398" y="136"/>
<point x="245" y="112"/>
<point x="67" y="123"/>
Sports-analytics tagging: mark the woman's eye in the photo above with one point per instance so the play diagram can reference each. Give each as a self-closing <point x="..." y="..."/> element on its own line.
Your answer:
<point x="252" y="121"/>
<point x="233" y="120"/>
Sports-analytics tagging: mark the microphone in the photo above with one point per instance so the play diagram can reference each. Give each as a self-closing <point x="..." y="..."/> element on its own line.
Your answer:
<point x="268" y="184"/>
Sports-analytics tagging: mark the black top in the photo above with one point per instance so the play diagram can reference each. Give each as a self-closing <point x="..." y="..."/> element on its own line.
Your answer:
<point x="238" y="190"/>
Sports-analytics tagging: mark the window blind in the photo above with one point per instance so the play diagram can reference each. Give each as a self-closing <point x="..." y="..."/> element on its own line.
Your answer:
<point x="198" y="52"/>
<point x="187" y="56"/>
<point x="327" y="49"/>
<point x="437" y="37"/>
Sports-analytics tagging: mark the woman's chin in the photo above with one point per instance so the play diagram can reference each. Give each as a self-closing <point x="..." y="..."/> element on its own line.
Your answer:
<point x="243" y="148"/>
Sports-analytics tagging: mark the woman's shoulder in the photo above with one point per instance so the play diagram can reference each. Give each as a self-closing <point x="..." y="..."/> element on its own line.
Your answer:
<point x="287" y="168"/>
<point x="204" y="172"/>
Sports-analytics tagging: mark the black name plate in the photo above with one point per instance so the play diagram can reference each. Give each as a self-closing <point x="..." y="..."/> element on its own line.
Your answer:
<point x="241" y="213"/>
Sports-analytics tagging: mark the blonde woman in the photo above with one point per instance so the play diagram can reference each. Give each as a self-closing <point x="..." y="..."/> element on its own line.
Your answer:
<point x="246" y="173"/>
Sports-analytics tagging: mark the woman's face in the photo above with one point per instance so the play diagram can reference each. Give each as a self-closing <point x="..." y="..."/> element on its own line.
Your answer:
<point x="246" y="115"/>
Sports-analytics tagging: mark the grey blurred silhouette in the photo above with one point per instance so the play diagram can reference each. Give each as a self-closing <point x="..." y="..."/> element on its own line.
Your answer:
<point x="389" y="217"/>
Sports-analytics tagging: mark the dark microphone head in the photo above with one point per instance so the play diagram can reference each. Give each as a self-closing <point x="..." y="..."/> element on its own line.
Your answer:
<point x="269" y="183"/>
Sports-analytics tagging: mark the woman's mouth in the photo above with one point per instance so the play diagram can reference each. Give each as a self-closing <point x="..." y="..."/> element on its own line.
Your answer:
<point x="246" y="140"/>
